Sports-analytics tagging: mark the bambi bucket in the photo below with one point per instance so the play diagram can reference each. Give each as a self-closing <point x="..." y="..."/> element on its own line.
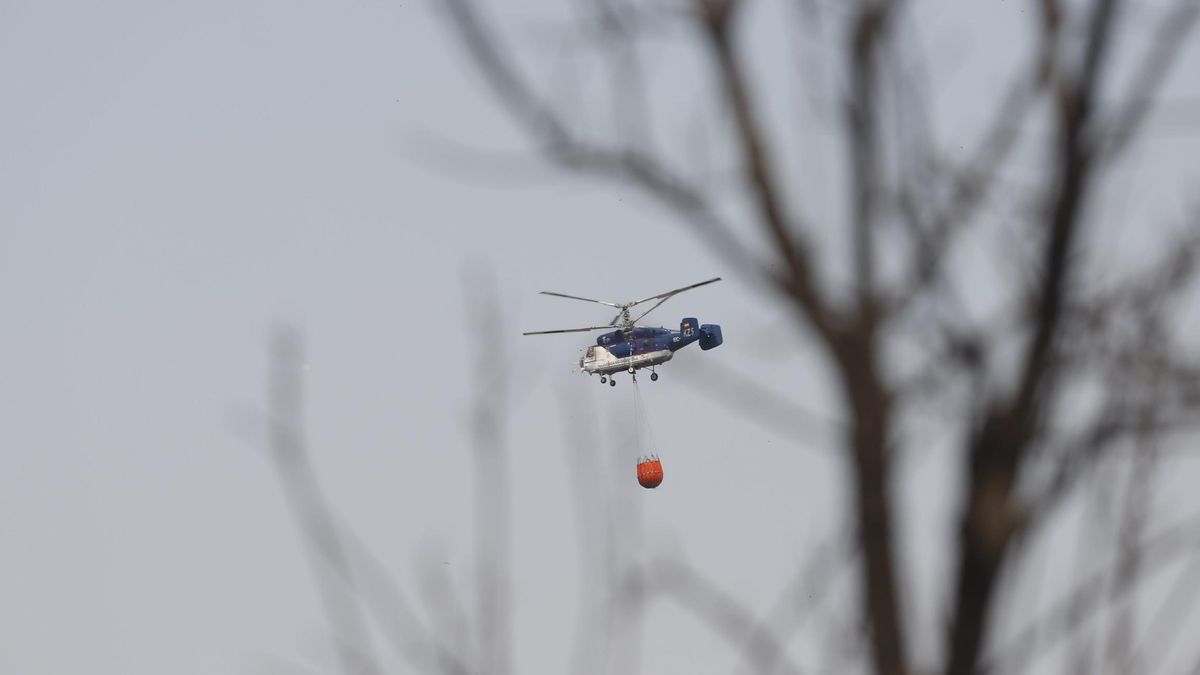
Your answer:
<point x="650" y="472"/>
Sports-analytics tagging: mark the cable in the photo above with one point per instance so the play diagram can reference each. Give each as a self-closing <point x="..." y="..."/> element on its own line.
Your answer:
<point x="645" y="434"/>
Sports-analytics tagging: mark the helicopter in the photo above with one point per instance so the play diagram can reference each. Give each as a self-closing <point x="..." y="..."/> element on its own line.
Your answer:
<point x="631" y="347"/>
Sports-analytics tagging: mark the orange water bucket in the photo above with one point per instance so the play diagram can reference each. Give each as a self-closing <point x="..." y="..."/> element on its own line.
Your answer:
<point x="650" y="472"/>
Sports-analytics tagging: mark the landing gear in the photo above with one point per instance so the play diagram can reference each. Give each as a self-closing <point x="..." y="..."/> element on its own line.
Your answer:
<point x="612" y="383"/>
<point x="654" y="377"/>
<point x="603" y="379"/>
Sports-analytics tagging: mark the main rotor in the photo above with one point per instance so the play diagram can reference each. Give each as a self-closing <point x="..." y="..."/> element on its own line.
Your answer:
<point x="624" y="319"/>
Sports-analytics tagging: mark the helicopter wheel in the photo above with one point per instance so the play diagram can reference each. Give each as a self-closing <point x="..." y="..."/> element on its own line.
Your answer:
<point x="612" y="383"/>
<point x="654" y="377"/>
<point x="603" y="379"/>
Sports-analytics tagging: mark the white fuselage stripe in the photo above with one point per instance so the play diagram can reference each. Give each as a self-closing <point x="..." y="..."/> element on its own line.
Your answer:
<point x="612" y="364"/>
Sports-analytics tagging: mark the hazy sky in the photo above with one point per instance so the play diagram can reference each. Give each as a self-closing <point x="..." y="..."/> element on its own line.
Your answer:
<point x="178" y="177"/>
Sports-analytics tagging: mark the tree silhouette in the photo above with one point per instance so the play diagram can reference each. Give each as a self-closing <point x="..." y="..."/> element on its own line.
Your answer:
<point x="1005" y="383"/>
<point x="1072" y="383"/>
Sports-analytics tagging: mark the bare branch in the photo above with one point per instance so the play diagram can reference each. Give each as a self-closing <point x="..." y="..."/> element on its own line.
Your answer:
<point x="493" y="539"/>
<point x="990" y="518"/>
<point x="331" y="568"/>
<point x="718" y="17"/>
<point x="1165" y="46"/>
<point x="1168" y="620"/>
<point x="747" y="396"/>
<point x="856" y="351"/>
<point x="1082" y="603"/>
<point x="813" y="583"/>
<point x="865" y="44"/>
<point x="556" y="142"/>
<point x="971" y="184"/>
<point x="1135" y="513"/>
<point x="724" y="615"/>
<point x="600" y="555"/>
<point x="1074" y="458"/>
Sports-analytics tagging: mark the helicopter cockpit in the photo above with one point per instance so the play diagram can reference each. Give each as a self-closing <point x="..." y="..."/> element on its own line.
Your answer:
<point x="591" y="355"/>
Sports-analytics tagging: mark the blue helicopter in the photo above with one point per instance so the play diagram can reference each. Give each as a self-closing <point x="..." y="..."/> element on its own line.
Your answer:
<point x="632" y="347"/>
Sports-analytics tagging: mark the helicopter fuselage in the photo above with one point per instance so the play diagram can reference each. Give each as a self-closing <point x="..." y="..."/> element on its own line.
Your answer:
<point x="644" y="347"/>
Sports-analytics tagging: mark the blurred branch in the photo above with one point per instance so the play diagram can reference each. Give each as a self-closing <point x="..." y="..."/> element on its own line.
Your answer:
<point x="807" y="591"/>
<point x="557" y="143"/>
<point x="493" y="536"/>
<point x="718" y="19"/>
<point x="617" y="25"/>
<point x="350" y="579"/>
<point x="1135" y="513"/>
<point x="727" y="617"/>
<point x="328" y="560"/>
<point x="1073" y="458"/>
<point x="1142" y="294"/>
<point x="856" y="350"/>
<point x="399" y="624"/>
<point x="865" y="45"/>
<point x="1168" y="39"/>
<point x="1083" y="602"/>
<point x="935" y="235"/>
<point x="601" y="557"/>
<point x="747" y="396"/>
<point x="990" y="518"/>
<point x="450" y="619"/>
<point x="1169" y="620"/>
<point x="1141" y="301"/>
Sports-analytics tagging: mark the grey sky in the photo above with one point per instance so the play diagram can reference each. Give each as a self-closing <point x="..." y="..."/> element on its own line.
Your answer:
<point x="177" y="177"/>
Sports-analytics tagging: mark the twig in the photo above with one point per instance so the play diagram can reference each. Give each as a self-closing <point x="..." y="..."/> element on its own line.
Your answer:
<point x="1082" y="603"/>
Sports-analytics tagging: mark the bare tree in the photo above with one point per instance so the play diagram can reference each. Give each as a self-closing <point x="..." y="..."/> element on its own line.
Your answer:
<point x="1005" y="383"/>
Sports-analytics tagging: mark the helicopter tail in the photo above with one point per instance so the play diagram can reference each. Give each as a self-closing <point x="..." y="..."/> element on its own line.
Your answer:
<point x="710" y="336"/>
<point x="689" y="332"/>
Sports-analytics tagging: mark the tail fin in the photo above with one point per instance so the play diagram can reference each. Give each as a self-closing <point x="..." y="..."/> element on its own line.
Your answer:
<point x="689" y="332"/>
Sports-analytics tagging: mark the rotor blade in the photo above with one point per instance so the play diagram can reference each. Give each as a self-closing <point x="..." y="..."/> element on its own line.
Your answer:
<point x="616" y="318"/>
<point x="567" y="330"/>
<point x="576" y="297"/>
<point x="652" y="308"/>
<point x="668" y="294"/>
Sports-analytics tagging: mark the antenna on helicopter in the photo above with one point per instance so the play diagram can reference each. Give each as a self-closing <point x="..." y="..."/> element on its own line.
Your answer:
<point x="622" y="319"/>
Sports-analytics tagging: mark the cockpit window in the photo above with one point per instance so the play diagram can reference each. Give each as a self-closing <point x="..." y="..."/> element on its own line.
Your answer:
<point x="591" y="352"/>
